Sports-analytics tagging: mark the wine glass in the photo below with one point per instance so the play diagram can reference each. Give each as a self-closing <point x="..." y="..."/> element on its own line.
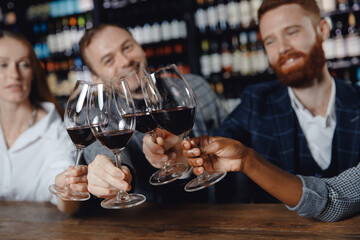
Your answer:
<point x="144" y="121"/>
<point x="77" y="126"/>
<point x="173" y="108"/>
<point x="112" y="120"/>
<point x="157" y="104"/>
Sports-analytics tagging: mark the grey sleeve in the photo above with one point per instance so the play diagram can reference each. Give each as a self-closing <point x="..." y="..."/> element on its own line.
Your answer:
<point x="330" y="199"/>
<point x="209" y="107"/>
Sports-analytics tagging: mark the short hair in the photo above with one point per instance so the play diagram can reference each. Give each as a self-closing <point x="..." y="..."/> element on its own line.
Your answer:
<point x="309" y="6"/>
<point x="40" y="91"/>
<point x="88" y="37"/>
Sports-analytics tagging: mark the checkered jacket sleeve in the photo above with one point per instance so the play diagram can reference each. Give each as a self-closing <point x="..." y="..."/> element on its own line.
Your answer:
<point x="330" y="199"/>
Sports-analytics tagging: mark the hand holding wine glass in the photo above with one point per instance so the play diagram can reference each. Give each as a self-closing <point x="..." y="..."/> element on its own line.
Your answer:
<point x="173" y="107"/>
<point x="77" y="126"/>
<point x="112" y="119"/>
<point x="172" y="104"/>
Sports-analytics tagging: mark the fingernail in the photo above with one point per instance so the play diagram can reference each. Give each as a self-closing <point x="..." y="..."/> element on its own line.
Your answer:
<point x="164" y="158"/>
<point x="160" y="151"/>
<point x="198" y="161"/>
<point x="67" y="174"/>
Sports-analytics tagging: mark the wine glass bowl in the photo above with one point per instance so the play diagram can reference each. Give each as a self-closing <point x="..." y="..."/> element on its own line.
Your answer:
<point x="75" y="119"/>
<point x="112" y="120"/>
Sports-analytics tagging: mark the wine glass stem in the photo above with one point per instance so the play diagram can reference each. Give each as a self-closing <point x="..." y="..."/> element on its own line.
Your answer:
<point x="122" y="195"/>
<point x="203" y="177"/>
<point x="78" y="156"/>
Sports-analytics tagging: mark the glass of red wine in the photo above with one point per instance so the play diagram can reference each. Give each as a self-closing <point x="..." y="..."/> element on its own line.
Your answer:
<point x="75" y="119"/>
<point x="173" y="108"/>
<point x="172" y="103"/>
<point x="144" y="121"/>
<point x="112" y="120"/>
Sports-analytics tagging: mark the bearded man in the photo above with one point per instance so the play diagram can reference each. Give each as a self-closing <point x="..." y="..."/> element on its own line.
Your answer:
<point x="307" y="122"/>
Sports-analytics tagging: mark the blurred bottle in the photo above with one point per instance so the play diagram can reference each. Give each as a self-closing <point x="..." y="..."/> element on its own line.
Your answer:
<point x="329" y="44"/>
<point x="201" y="20"/>
<point x="245" y="64"/>
<point x="222" y="15"/>
<point x="234" y="19"/>
<point x="255" y="5"/>
<point x="226" y="59"/>
<point x="205" y="59"/>
<point x="245" y="13"/>
<point x="340" y="49"/>
<point x="212" y="16"/>
<point x="328" y="5"/>
<point x="236" y="56"/>
<point x="352" y="40"/>
<point x="342" y="5"/>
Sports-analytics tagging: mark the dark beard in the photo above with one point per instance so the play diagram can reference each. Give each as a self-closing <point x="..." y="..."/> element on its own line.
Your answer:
<point x="302" y="76"/>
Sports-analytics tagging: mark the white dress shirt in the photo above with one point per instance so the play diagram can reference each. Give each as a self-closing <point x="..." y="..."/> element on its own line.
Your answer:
<point x="37" y="156"/>
<point x="318" y="130"/>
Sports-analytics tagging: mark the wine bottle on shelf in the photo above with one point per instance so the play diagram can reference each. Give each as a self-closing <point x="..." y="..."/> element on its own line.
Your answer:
<point x="339" y="43"/>
<point x="201" y="20"/>
<point x="216" y="67"/>
<point x="244" y="11"/>
<point x="254" y="56"/>
<point x="329" y="44"/>
<point x="254" y="6"/>
<point x="68" y="48"/>
<point x="212" y="16"/>
<point x="342" y="5"/>
<point x="222" y="15"/>
<point x="352" y="40"/>
<point x="356" y="5"/>
<point x="205" y="60"/>
<point x="328" y="5"/>
<point x="245" y="64"/>
<point x="236" y="56"/>
<point x="234" y="19"/>
<point x="226" y="59"/>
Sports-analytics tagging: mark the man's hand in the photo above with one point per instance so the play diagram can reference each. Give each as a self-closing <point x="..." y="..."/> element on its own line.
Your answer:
<point x="105" y="179"/>
<point x="161" y="147"/>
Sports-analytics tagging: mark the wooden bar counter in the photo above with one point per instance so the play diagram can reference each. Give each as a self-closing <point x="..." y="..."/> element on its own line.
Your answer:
<point x="21" y="220"/>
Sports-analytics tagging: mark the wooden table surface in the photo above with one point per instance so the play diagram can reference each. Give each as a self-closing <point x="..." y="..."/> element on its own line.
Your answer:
<point x="20" y="220"/>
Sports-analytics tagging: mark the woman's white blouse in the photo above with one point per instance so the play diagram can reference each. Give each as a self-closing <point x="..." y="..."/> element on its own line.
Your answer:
<point x="37" y="156"/>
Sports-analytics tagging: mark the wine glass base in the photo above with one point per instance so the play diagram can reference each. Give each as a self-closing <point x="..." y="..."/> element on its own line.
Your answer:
<point x="65" y="193"/>
<point x="132" y="201"/>
<point x="198" y="183"/>
<point x="174" y="172"/>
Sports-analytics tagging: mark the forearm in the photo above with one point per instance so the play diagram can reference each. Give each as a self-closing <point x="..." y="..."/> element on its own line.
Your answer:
<point x="279" y="183"/>
<point x="68" y="207"/>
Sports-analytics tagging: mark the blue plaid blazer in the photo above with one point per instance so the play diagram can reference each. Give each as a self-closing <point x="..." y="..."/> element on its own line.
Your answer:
<point x="266" y="122"/>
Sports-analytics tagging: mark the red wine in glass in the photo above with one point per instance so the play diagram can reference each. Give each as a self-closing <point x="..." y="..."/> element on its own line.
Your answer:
<point x="145" y="122"/>
<point x="81" y="136"/>
<point x="112" y="120"/>
<point x="178" y="121"/>
<point x="77" y="126"/>
<point x="116" y="139"/>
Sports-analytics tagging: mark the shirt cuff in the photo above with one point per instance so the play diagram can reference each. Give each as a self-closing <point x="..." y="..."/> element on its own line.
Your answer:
<point x="314" y="197"/>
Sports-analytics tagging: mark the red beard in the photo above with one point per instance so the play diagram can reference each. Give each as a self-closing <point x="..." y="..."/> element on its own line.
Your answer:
<point x="301" y="75"/>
